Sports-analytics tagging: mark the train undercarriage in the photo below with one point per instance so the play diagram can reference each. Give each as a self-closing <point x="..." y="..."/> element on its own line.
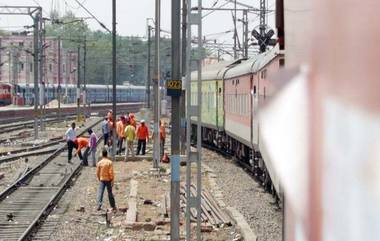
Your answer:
<point x="249" y="158"/>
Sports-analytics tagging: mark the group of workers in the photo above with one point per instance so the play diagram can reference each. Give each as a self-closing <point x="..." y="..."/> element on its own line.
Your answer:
<point x="127" y="131"/>
<point x="80" y="143"/>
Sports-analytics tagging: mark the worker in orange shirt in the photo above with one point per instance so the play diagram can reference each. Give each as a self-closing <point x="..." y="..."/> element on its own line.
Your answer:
<point x="132" y="120"/>
<point x="120" y="127"/>
<point x="162" y="135"/>
<point x="106" y="177"/>
<point x="80" y="143"/>
<point x="142" y="134"/>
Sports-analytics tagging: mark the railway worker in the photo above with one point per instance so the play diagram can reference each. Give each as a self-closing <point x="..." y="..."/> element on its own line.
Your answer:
<point x="82" y="142"/>
<point x="130" y="135"/>
<point x="93" y="143"/>
<point x="132" y="119"/>
<point x="162" y="138"/>
<point x="105" y="175"/>
<point x="142" y="133"/>
<point x="110" y="116"/>
<point x="162" y="135"/>
<point x="70" y="137"/>
<point x="120" y="127"/>
<point x="105" y="131"/>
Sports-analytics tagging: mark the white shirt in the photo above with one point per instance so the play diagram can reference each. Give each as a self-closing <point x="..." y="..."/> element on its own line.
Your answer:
<point x="70" y="134"/>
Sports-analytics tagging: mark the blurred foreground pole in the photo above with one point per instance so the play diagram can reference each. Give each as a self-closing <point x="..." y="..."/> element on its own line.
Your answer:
<point x="113" y="78"/>
<point x="175" y="87"/>
<point x="156" y="83"/>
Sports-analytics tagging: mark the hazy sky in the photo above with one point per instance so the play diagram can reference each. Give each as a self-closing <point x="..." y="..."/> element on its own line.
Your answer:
<point x="132" y="15"/>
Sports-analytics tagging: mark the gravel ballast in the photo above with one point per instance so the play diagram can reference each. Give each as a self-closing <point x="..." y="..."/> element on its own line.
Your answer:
<point x="241" y="191"/>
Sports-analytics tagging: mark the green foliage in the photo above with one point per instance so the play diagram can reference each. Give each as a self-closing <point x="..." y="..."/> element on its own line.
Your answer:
<point x="132" y="52"/>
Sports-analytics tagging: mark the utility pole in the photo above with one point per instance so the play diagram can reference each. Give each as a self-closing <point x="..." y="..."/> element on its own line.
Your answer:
<point x="245" y="33"/>
<point x="114" y="78"/>
<point x="59" y="78"/>
<point x="36" y="51"/>
<point x="156" y="82"/>
<point x="78" y="84"/>
<point x="183" y="70"/>
<point x="175" y="135"/>
<point x="14" y="70"/>
<point x="84" y="75"/>
<point x="42" y="68"/>
<point x="148" y="79"/>
<point x="235" y="31"/>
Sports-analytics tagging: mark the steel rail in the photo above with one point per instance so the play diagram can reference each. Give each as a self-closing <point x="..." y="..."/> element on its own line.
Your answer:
<point x="53" y="201"/>
<point x="34" y="170"/>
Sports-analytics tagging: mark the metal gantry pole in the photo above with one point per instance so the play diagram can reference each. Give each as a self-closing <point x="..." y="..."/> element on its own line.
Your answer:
<point x="35" y="71"/>
<point x="194" y="108"/>
<point x="149" y="77"/>
<point x="156" y="82"/>
<point x="114" y="78"/>
<point x="175" y="115"/>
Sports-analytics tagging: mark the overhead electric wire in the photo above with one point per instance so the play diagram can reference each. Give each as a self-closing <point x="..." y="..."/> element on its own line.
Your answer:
<point x="92" y="15"/>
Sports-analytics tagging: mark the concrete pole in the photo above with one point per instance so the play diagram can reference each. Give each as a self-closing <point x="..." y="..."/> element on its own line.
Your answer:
<point x="78" y="84"/>
<point x="175" y="135"/>
<point x="84" y="75"/>
<point x="35" y="72"/>
<point x="156" y="82"/>
<point x="114" y="78"/>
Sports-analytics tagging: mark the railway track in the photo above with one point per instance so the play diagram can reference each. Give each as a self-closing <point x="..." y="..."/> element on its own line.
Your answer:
<point x="30" y="199"/>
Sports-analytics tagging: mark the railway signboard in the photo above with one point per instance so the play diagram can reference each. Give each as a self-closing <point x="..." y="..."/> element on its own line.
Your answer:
<point x="174" y="87"/>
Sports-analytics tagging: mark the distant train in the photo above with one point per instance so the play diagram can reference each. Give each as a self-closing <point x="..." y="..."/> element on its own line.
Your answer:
<point x="95" y="93"/>
<point x="232" y="94"/>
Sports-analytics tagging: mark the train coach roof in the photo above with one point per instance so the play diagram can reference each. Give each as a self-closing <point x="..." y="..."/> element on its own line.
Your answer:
<point x="253" y="64"/>
<point x="214" y="71"/>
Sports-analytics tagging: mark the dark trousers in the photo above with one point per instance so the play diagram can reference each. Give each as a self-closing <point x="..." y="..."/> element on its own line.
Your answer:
<point x="105" y="136"/>
<point x="84" y="157"/>
<point x="141" y="144"/>
<point x="120" y="145"/>
<point x="70" y="147"/>
<point x="99" y="198"/>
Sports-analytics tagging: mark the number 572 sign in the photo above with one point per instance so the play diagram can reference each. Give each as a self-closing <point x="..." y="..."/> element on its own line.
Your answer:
<point x="174" y="87"/>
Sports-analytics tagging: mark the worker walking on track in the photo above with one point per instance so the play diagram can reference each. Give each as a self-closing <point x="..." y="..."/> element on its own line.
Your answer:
<point x="105" y="131"/>
<point x="120" y="127"/>
<point x="93" y="143"/>
<point x="70" y="137"/>
<point x="105" y="175"/>
<point x="142" y="136"/>
<point x="130" y="135"/>
<point x="162" y="138"/>
<point x="82" y="142"/>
